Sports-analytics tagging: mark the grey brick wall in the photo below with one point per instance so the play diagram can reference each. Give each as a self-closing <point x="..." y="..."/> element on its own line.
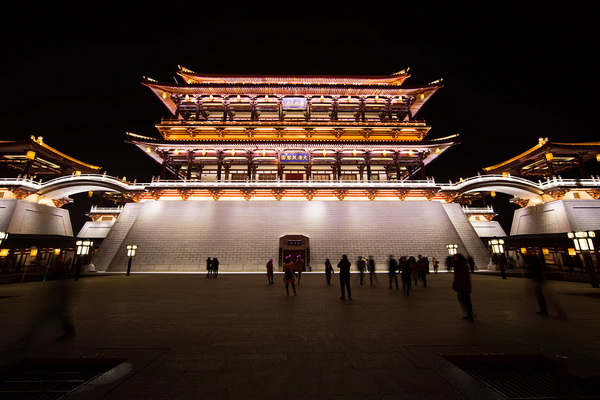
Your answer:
<point x="180" y="235"/>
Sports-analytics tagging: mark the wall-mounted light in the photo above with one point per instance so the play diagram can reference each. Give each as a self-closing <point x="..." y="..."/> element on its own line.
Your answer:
<point x="30" y="155"/>
<point x="549" y="156"/>
<point x="33" y="251"/>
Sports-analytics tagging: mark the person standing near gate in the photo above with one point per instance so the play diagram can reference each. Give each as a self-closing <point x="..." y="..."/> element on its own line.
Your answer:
<point x="344" y="267"/>
<point x="299" y="266"/>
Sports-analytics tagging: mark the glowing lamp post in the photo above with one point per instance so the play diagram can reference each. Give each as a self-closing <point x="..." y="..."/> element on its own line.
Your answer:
<point x="83" y="249"/>
<point x="497" y="246"/>
<point x="452" y="248"/>
<point x="131" y="249"/>
<point x="583" y="241"/>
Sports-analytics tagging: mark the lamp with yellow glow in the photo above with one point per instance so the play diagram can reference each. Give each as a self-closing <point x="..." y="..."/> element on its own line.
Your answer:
<point x="583" y="242"/>
<point x="4" y="252"/>
<point x="549" y="156"/>
<point x="497" y="246"/>
<point x="452" y="248"/>
<point x="33" y="251"/>
<point x="30" y="155"/>
<point x="131" y="249"/>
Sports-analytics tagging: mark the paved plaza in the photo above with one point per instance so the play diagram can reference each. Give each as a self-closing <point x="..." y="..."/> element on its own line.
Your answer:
<point x="185" y="336"/>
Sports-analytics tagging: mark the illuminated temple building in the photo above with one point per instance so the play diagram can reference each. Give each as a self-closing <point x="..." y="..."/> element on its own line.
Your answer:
<point x="260" y="167"/>
<point x="251" y="168"/>
<point x="293" y="128"/>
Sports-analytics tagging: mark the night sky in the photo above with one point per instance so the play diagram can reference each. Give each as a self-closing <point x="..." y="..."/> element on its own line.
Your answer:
<point x="513" y="71"/>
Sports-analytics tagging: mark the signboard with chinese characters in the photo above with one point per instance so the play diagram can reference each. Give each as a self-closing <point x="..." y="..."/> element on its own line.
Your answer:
<point x="294" y="157"/>
<point x="294" y="103"/>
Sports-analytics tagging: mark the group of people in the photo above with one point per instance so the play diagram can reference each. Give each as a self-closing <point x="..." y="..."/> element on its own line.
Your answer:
<point x="411" y="270"/>
<point x="212" y="267"/>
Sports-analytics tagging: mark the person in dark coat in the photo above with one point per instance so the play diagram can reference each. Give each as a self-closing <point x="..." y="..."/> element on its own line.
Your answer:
<point x="405" y="273"/>
<point x="423" y="269"/>
<point x="392" y="271"/>
<point x="462" y="285"/>
<point x="208" y="267"/>
<point x="270" y="272"/>
<point x="371" y="266"/>
<point x="328" y="271"/>
<point x="344" y="267"/>
<point x="215" y="267"/>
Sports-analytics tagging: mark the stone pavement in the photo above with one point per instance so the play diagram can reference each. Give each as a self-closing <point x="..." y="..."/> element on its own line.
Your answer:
<point x="184" y="336"/>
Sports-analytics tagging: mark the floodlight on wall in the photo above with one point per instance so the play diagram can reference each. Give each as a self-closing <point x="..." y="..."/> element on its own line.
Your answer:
<point x="3" y="236"/>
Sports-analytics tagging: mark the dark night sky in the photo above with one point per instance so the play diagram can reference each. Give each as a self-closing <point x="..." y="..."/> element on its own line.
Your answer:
<point x="513" y="72"/>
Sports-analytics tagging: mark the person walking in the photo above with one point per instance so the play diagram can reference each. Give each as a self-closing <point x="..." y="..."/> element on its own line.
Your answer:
<point x="462" y="285"/>
<point x="436" y="265"/>
<point x="414" y="271"/>
<point x="288" y="276"/>
<point x="344" y="267"/>
<point x="270" y="272"/>
<point x="392" y="271"/>
<point x="405" y="270"/>
<point x="208" y="267"/>
<point x="371" y="266"/>
<point x="423" y="269"/>
<point x="215" y="267"/>
<point x="471" y="263"/>
<point x="299" y="266"/>
<point x="328" y="271"/>
<point x="362" y="265"/>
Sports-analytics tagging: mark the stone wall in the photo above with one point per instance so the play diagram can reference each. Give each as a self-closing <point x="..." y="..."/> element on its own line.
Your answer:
<point x="27" y="218"/>
<point x="180" y="235"/>
<point x="557" y="217"/>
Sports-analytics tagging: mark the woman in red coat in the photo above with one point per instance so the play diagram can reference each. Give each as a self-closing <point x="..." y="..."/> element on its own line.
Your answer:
<point x="462" y="285"/>
<point x="288" y="276"/>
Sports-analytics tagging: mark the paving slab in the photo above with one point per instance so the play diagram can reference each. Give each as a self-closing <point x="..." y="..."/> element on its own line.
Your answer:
<point x="185" y="336"/>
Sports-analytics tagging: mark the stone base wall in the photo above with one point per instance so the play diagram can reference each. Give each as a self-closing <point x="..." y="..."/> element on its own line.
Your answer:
<point x="180" y="235"/>
<point x="557" y="217"/>
<point x="27" y="218"/>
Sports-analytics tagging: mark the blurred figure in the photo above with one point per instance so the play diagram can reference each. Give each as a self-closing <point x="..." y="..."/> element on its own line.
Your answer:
<point x="299" y="266"/>
<point x="392" y="271"/>
<point x="405" y="269"/>
<point x="344" y="266"/>
<point x="55" y="304"/>
<point x="423" y="269"/>
<point x="462" y="284"/>
<point x="362" y="265"/>
<point x="371" y="266"/>
<point x="436" y="265"/>
<point x="537" y="267"/>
